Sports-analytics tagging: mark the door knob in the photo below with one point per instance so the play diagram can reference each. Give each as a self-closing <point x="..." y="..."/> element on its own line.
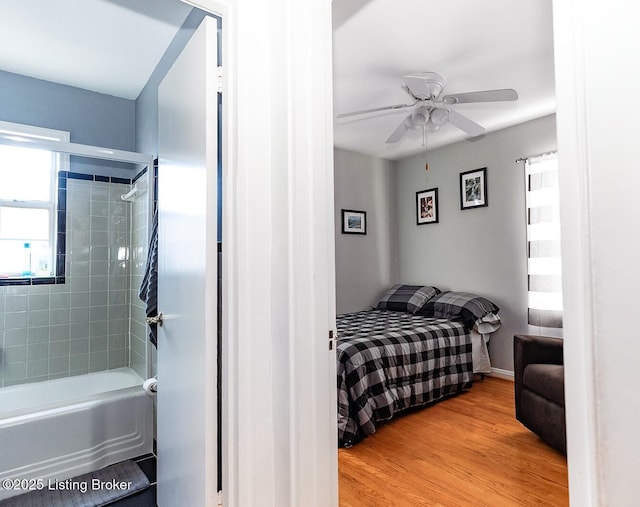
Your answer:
<point x="155" y="320"/>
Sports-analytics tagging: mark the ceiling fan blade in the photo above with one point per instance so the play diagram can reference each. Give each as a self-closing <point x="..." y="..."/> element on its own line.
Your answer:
<point x="482" y="96"/>
<point x="376" y="109"/>
<point x="399" y="133"/>
<point x="466" y="124"/>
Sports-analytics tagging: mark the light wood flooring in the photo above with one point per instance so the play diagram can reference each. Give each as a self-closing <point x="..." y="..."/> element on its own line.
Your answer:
<point x="465" y="451"/>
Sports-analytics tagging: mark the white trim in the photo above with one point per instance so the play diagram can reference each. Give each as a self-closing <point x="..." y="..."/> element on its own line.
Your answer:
<point x="59" y="141"/>
<point x="276" y="362"/>
<point x="503" y="374"/>
<point x="20" y="129"/>
<point x="17" y="134"/>
<point x="235" y="467"/>
<point x="573" y="158"/>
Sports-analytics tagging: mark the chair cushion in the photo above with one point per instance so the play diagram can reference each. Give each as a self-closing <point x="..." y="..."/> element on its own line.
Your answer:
<point x="547" y="380"/>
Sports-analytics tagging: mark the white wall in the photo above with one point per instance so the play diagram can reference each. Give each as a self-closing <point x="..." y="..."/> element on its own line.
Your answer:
<point x="365" y="265"/>
<point x="280" y="408"/>
<point x="480" y="250"/>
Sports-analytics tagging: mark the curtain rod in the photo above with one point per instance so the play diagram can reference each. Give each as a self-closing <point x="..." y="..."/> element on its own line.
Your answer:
<point x="524" y="159"/>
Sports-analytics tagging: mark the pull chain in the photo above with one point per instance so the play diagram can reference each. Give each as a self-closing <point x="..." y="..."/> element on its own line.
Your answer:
<point x="424" y="143"/>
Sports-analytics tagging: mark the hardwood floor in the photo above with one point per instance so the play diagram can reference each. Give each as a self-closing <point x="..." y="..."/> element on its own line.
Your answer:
<point x="465" y="451"/>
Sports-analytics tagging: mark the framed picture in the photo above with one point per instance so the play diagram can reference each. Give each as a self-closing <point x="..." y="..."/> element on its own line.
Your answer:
<point x="427" y="206"/>
<point x="354" y="222"/>
<point x="473" y="189"/>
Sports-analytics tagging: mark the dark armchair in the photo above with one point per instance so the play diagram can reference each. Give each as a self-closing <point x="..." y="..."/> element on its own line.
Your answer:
<point x="539" y="387"/>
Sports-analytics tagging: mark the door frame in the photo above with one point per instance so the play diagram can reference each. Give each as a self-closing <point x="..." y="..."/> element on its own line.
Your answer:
<point x="597" y="140"/>
<point x="244" y="23"/>
<point x="279" y="439"/>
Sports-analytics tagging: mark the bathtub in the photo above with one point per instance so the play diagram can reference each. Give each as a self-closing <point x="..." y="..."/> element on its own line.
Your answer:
<point x="66" y="427"/>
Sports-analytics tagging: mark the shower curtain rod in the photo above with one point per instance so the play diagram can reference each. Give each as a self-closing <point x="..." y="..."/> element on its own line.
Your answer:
<point x="81" y="150"/>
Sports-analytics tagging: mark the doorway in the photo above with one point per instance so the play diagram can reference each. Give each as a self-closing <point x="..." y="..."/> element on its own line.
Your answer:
<point x="382" y="178"/>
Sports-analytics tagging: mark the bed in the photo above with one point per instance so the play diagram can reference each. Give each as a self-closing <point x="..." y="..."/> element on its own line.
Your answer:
<point x="409" y="351"/>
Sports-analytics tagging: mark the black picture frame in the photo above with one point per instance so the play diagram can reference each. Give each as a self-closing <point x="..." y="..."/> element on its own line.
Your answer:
<point x="354" y="221"/>
<point x="427" y="207"/>
<point x="473" y="189"/>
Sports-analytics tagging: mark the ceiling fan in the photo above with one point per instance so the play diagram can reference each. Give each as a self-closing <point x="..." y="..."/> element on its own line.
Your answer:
<point x="431" y="111"/>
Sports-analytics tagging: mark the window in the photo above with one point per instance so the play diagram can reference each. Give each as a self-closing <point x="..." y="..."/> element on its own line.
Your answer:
<point x="28" y="204"/>
<point x="543" y="240"/>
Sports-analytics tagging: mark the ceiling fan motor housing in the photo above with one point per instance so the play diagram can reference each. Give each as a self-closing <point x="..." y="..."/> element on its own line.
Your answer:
<point x="424" y="85"/>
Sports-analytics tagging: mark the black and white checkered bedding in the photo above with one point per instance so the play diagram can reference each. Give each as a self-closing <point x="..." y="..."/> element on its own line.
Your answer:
<point x="460" y="306"/>
<point x="389" y="361"/>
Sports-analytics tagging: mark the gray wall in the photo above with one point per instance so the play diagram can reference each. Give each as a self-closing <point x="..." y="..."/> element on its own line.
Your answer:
<point x="365" y="265"/>
<point x="146" y="104"/>
<point x="481" y="250"/>
<point x="91" y="118"/>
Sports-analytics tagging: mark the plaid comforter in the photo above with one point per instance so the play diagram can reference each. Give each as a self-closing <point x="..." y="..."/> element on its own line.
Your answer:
<point x="390" y="361"/>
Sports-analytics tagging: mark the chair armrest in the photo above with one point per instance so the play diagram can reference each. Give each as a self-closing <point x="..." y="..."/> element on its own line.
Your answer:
<point x="528" y="349"/>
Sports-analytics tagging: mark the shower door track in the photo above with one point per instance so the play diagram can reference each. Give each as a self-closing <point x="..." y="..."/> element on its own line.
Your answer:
<point x="81" y="150"/>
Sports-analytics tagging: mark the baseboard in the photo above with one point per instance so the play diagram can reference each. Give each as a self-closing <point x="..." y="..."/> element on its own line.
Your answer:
<point x="500" y="373"/>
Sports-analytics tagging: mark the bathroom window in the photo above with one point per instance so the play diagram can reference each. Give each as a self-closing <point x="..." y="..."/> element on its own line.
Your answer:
<point x="28" y="202"/>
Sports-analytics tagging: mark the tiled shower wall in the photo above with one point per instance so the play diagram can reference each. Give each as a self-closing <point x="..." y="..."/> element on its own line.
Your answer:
<point x="81" y="326"/>
<point x="139" y="247"/>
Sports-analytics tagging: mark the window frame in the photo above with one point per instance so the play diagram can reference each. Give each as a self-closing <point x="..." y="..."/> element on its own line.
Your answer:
<point x="14" y="134"/>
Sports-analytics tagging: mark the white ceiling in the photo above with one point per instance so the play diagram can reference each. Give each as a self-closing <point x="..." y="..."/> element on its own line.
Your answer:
<point x="112" y="46"/>
<point x="475" y="45"/>
<point x="108" y="46"/>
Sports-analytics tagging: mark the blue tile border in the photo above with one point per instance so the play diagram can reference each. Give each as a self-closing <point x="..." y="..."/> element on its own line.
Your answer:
<point x="94" y="177"/>
<point x="139" y="175"/>
<point x="76" y="176"/>
<point x="61" y="225"/>
<point x="15" y="281"/>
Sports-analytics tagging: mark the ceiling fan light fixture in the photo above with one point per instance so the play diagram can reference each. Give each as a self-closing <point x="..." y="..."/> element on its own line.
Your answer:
<point x="420" y="116"/>
<point x="432" y="127"/>
<point x="439" y="116"/>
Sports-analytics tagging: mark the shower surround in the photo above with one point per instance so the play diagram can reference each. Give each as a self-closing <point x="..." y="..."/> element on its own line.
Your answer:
<point x="93" y="321"/>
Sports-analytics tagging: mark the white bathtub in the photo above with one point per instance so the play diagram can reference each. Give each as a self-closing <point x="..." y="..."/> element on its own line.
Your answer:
<point x="65" y="427"/>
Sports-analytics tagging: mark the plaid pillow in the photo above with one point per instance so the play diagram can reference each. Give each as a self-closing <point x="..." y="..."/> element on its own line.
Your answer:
<point x="459" y="305"/>
<point x="406" y="298"/>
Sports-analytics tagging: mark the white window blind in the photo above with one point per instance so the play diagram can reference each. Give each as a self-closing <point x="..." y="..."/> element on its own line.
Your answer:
<point x="543" y="241"/>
